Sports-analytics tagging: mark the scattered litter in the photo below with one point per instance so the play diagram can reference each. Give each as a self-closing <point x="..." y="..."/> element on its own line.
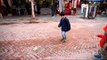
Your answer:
<point x="36" y="48"/>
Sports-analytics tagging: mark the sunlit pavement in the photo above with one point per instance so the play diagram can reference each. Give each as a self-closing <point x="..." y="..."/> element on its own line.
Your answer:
<point x="20" y="40"/>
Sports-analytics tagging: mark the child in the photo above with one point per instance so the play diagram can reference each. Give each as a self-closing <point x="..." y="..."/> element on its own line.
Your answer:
<point x="65" y="26"/>
<point x="103" y="44"/>
<point x="103" y="51"/>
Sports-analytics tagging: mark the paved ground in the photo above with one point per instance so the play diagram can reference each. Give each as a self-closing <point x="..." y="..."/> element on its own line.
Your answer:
<point x="20" y="40"/>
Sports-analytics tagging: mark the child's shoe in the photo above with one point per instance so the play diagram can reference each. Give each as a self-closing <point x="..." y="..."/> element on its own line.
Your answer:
<point x="100" y="59"/>
<point x="97" y="55"/>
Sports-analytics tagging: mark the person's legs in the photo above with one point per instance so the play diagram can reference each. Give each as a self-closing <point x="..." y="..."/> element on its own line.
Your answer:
<point x="104" y="55"/>
<point x="98" y="54"/>
<point x="63" y="35"/>
<point x="52" y="11"/>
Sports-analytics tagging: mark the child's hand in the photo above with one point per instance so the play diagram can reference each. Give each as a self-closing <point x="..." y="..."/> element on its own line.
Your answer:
<point x="101" y="36"/>
<point x="97" y="35"/>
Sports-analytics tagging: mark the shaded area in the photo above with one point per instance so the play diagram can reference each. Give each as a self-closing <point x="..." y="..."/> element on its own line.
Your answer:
<point x="8" y="23"/>
<point x="11" y="23"/>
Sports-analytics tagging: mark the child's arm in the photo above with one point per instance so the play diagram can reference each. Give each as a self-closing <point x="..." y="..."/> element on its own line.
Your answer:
<point x="68" y="23"/>
<point x="100" y="35"/>
<point x="60" y="24"/>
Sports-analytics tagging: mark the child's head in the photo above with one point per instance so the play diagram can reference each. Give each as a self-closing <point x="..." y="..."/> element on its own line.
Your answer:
<point x="62" y="14"/>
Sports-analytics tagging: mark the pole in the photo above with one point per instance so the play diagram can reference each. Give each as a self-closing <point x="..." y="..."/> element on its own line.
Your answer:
<point x="60" y="5"/>
<point x="33" y="12"/>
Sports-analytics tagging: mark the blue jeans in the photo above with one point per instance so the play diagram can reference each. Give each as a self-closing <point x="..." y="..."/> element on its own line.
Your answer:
<point x="63" y="35"/>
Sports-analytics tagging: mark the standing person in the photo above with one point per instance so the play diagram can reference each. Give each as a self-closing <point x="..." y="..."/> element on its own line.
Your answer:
<point x="65" y="26"/>
<point x="1" y="15"/>
<point x="38" y="7"/>
<point x="53" y="9"/>
<point x="1" y="8"/>
<point x="56" y="7"/>
<point x="74" y="2"/>
<point x="103" y="49"/>
<point x="67" y="10"/>
<point x="1" y="11"/>
<point x="70" y="6"/>
<point x="28" y="7"/>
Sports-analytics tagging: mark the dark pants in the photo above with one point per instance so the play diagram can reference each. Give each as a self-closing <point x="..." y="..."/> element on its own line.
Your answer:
<point x="53" y="12"/>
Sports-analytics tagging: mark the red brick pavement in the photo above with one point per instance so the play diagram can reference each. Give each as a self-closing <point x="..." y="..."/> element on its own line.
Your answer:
<point x="17" y="41"/>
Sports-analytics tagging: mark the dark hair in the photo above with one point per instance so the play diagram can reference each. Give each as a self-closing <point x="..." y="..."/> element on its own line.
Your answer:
<point x="62" y="14"/>
<point x="70" y="1"/>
